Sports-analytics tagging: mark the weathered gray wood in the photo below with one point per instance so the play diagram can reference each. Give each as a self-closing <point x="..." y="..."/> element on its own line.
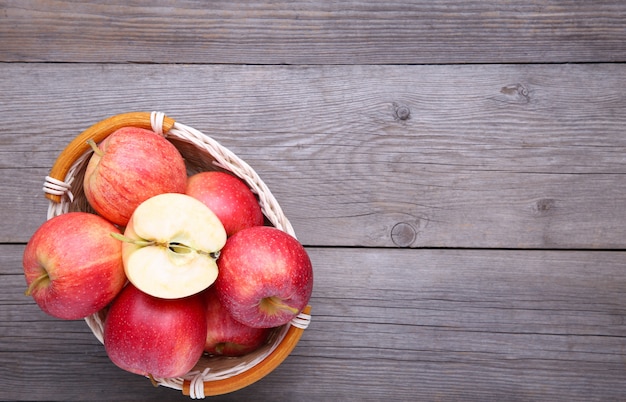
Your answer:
<point x="387" y="324"/>
<point x="313" y="32"/>
<point x="412" y="156"/>
<point x="419" y="159"/>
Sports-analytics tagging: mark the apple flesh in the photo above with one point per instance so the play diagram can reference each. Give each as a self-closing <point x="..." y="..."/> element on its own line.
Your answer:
<point x="73" y="267"/>
<point x="228" y="197"/>
<point x="154" y="337"/>
<point x="128" y="167"/>
<point x="227" y="336"/>
<point x="266" y="277"/>
<point x="170" y="246"/>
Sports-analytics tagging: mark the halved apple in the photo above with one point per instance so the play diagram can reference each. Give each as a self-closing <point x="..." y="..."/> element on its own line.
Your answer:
<point x="171" y="245"/>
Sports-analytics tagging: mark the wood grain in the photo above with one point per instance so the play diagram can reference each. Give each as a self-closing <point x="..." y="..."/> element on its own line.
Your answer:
<point x="394" y="324"/>
<point x="456" y="170"/>
<point x="313" y="32"/>
<point x="379" y="156"/>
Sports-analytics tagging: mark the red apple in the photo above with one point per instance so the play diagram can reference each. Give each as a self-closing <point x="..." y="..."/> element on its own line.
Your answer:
<point x="228" y="197"/>
<point x="128" y="167"/>
<point x="265" y="277"/>
<point x="226" y="336"/>
<point x="151" y="336"/>
<point x="73" y="266"/>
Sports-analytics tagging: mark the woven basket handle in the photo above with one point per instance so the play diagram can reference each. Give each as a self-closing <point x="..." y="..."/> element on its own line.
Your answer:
<point x="98" y="132"/>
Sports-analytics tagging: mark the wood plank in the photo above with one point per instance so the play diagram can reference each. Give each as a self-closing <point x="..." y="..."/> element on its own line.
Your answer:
<point x="488" y="156"/>
<point x="387" y="323"/>
<point x="313" y="32"/>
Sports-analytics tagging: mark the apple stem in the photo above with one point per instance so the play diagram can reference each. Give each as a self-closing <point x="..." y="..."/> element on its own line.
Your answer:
<point x="95" y="148"/>
<point x="36" y="283"/>
<point x="278" y="304"/>
<point x="154" y="382"/>
<point x="137" y="242"/>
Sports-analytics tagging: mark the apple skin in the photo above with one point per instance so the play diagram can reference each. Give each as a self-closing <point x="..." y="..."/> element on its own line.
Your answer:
<point x="265" y="277"/>
<point x="228" y="197"/>
<point x="147" y="335"/>
<point x="225" y="335"/>
<point x="73" y="267"/>
<point x="131" y="165"/>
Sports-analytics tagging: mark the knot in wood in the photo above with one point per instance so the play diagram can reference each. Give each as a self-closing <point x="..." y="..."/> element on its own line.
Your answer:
<point x="403" y="234"/>
<point x="402" y="112"/>
<point x="543" y="206"/>
<point x="518" y="93"/>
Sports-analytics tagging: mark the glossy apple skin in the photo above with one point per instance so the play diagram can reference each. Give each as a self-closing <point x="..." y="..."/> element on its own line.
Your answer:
<point x="135" y="165"/>
<point x="260" y="263"/>
<point x="83" y="261"/>
<point x="225" y="335"/>
<point x="228" y="197"/>
<point x="152" y="336"/>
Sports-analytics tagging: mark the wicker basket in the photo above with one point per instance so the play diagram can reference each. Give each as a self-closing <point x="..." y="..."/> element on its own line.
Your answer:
<point x="63" y="187"/>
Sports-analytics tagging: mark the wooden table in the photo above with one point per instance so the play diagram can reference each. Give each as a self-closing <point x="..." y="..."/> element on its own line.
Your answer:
<point x="456" y="170"/>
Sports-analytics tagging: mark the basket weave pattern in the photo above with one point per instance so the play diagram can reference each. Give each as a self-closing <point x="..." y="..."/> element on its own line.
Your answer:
<point x="212" y="375"/>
